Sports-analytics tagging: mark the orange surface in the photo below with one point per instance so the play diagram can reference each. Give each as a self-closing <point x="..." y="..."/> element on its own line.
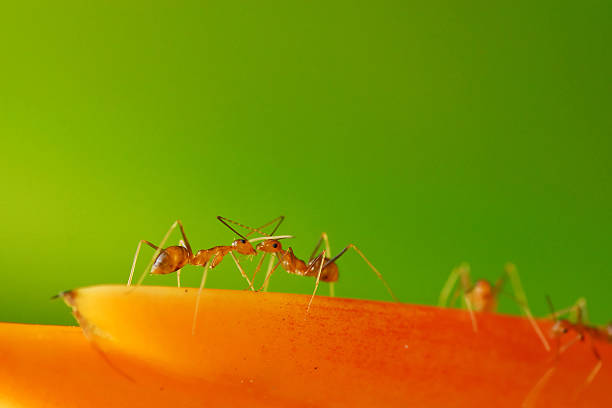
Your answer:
<point x="55" y="366"/>
<point x="264" y="349"/>
<point x="344" y="352"/>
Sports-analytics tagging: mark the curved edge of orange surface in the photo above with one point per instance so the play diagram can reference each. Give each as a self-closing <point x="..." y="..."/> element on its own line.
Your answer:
<point x="264" y="349"/>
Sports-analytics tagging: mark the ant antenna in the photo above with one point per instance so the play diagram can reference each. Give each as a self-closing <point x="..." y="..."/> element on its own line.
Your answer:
<point x="282" y="218"/>
<point x="551" y="307"/>
<point x="220" y="218"/>
<point x="279" y="220"/>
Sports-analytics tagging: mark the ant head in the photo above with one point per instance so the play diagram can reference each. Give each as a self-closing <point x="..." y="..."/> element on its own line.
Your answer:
<point x="560" y="327"/>
<point x="244" y="247"/>
<point x="270" y="245"/>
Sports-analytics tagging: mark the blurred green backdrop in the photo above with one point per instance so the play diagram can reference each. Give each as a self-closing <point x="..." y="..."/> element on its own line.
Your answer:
<point x="428" y="134"/>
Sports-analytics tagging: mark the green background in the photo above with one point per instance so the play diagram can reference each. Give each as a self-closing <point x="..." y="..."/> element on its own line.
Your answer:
<point x="428" y="134"/>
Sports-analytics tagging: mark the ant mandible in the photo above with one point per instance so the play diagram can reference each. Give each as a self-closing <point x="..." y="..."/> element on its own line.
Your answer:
<point x="482" y="296"/>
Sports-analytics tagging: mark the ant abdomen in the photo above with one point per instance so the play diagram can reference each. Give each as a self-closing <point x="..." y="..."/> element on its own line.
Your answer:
<point x="170" y="260"/>
<point x="329" y="273"/>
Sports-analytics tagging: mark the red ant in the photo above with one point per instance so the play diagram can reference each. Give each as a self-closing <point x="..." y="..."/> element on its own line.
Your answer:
<point x="174" y="258"/>
<point x="321" y="266"/>
<point x="324" y="268"/>
<point x="482" y="296"/>
<point x="583" y="331"/>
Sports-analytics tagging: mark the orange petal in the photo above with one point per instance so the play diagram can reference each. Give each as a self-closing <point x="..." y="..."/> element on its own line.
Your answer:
<point x="343" y="353"/>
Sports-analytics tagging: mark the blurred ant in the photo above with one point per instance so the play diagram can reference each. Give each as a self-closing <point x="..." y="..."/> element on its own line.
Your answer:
<point x="482" y="296"/>
<point x="583" y="331"/>
<point x="321" y="266"/>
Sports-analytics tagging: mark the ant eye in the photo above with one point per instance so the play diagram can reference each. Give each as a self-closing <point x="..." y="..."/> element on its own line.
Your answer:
<point x="243" y="241"/>
<point x="275" y="245"/>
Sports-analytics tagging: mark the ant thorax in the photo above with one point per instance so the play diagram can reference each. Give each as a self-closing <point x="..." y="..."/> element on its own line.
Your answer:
<point x="204" y="255"/>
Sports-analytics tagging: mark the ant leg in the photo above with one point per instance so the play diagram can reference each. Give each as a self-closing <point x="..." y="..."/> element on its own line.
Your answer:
<point x="197" y="305"/>
<point x="270" y="272"/>
<point x="470" y="309"/>
<point x="536" y="327"/>
<point x="535" y="391"/>
<point x="456" y="293"/>
<point x="563" y="349"/>
<point x="580" y="308"/>
<point x="244" y="275"/>
<point x="321" y="259"/>
<point x="463" y="272"/>
<point x="512" y="273"/>
<point x="327" y="251"/>
<point x="258" y="267"/>
<point x="136" y="257"/>
<point x="184" y="241"/>
<point x="378" y="274"/>
<point x="597" y="367"/>
<point x="593" y="372"/>
<point x="178" y="273"/>
<point x="157" y="252"/>
<point x="321" y="239"/>
<point x="532" y="321"/>
<point x="521" y="300"/>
